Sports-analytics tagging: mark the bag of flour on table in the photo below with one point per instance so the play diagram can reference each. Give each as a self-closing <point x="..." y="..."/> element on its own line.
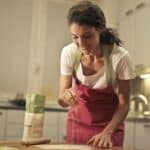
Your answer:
<point x="34" y="120"/>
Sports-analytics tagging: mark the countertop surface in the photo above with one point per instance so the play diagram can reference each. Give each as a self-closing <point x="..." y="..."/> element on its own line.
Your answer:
<point x="57" y="108"/>
<point x="138" y="117"/>
<point x="48" y="107"/>
<point x="19" y="146"/>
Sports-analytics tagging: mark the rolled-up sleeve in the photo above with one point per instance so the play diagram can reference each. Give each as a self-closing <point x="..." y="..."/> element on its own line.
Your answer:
<point x="67" y="61"/>
<point x="125" y="68"/>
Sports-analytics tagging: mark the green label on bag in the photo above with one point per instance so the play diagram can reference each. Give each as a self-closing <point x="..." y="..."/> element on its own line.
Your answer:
<point x="35" y="103"/>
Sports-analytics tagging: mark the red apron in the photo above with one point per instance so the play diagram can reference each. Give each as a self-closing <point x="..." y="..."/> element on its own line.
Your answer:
<point x="94" y="111"/>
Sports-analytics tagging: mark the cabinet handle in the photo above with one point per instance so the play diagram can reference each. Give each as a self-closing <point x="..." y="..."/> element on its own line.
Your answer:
<point x="129" y="12"/>
<point x="140" y="5"/>
<point x="146" y="125"/>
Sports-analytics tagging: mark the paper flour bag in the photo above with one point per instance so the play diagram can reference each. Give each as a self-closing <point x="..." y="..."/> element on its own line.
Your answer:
<point x="34" y="117"/>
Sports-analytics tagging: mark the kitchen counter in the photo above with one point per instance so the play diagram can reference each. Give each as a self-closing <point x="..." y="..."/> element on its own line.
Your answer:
<point x="19" y="146"/>
<point x="48" y="107"/>
<point x="138" y="117"/>
<point x="57" y="108"/>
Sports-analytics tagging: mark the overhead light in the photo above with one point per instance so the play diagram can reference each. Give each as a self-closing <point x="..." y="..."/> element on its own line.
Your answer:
<point x="145" y="76"/>
<point x="143" y="72"/>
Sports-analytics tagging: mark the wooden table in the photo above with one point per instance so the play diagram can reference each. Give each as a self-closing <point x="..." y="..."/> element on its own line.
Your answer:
<point x="18" y="144"/>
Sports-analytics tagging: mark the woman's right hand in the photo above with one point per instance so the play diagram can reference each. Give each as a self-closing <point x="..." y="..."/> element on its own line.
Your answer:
<point x="69" y="97"/>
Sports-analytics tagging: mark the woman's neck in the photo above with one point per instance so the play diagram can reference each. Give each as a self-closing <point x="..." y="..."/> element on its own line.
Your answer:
<point x="93" y="56"/>
<point x="94" y="53"/>
<point x="97" y="53"/>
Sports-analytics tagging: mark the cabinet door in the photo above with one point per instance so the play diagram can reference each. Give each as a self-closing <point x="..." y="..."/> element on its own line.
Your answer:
<point x="129" y="134"/>
<point x="127" y="33"/>
<point x="125" y="7"/>
<point x="142" y="36"/>
<point x="142" y="135"/>
<point x="2" y="124"/>
<point x="51" y="125"/>
<point x="62" y="126"/>
<point x="15" y="124"/>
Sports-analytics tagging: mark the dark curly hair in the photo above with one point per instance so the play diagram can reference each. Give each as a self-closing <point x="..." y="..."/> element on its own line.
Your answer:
<point x="88" y="13"/>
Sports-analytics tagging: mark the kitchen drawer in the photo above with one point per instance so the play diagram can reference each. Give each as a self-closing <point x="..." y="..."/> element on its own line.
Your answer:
<point x="15" y="116"/>
<point x="142" y="135"/>
<point x="16" y="138"/>
<point x="129" y="134"/>
<point x="51" y="118"/>
<point x="54" y="139"/>
<point x="3" y="114"/>
<point x="50" y="131"/>
<point x="14" y="130"/>
<point x="62" y="126"/>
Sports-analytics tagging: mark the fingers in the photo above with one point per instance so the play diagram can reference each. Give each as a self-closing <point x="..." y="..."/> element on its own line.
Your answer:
<point x="105" y="143"/>
<point x="96" y="140"/>
<point x="110" y="144"/>
<point x="101" y="141"/>
<point x="91" y="140"/>
<point x="69" y="97"/>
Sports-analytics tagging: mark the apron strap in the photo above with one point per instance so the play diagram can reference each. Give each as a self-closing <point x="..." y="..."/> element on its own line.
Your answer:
<point x="107" y="63"/>
<point x="77" y="59"/>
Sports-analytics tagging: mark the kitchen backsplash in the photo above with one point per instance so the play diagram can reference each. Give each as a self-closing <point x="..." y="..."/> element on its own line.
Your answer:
<point x="141" y="86"/>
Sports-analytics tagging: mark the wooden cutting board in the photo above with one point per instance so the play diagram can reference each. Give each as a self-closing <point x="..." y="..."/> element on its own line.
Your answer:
<point x="63" y="147"/>
<point x="19" y="146"/>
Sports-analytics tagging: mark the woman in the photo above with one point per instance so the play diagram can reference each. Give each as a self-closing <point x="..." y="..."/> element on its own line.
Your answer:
<point x="95" y="79"/>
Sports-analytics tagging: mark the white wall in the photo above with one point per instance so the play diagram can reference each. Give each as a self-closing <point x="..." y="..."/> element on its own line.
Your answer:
<point x="58" y="36"/>
<point x="24" y="39"/>
<point x="15" y="29"/>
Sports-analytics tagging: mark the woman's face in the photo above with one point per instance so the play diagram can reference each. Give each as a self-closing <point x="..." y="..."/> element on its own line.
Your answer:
<point x="85" y="37"/>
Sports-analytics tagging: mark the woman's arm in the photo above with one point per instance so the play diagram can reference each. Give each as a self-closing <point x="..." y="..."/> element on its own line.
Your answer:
<point x="66" y="94"/>
<point x="103" y="139"/>
<point x="123" y="106"/>
<point x="64" y="83"/>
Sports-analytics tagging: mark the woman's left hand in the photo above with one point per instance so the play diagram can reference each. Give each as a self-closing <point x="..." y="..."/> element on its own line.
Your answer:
<point x="102" y="139"/>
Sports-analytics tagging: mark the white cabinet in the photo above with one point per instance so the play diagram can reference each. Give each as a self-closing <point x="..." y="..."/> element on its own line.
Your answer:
<point x="125" y="8"/>
<point x="62" y="126"/>
<point x="127" y="33"/>
<point x="142" y="135"/>
<point x="142" y="34"/>
<point x="129" y="134"/>
<point x="14" y="124"/>
<point x="55" y="125"/>
<point x="11" y="124"/>
<point x="51" y="125"/>
<point x="2" y="124"/>
<point x="127" y="26"/>
<point x="134" y="29"/>
<point x="137" y="134"/>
